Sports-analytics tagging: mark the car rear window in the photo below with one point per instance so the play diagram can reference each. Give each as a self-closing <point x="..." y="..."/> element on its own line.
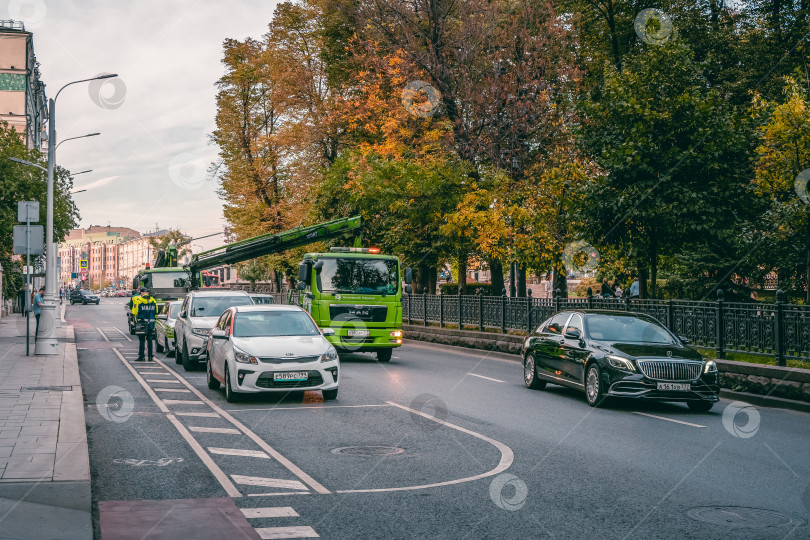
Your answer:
<point x="214" y="306"/>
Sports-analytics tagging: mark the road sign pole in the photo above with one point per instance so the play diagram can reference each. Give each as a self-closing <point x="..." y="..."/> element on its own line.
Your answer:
<point x="27" y="282"/>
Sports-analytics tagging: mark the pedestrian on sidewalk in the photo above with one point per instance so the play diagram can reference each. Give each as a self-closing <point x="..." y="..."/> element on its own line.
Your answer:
<point x="606" y="290"/>
<point x="61" y="292"/>
<point x="144" y="310"/>
<point x="634" y="288"/>
<point x="21" y="298"/>
<point x="37" y="303"/>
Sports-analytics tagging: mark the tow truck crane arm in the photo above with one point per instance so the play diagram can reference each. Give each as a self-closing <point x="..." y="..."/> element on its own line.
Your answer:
<point x="270" y="243"/>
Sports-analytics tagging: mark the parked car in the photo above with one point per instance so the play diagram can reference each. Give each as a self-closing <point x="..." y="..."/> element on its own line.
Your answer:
<point x="270" y="348"/>
<point x="198" y="314"/>
<point x="615" y="353"/>
<point x="260" y="299"/>
<point x="84" y="296"/>
<point x="164" y="328"/>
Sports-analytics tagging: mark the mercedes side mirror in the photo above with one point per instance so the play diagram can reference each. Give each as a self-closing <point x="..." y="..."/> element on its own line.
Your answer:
<point x="219" y="334"/>
<point x="328" y="332"/>
<point x="573" y="334"/>
<point x="685" y="340"/>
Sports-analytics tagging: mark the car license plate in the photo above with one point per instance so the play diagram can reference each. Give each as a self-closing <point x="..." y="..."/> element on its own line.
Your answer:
<point x="358" y="333"/>
<point x="290" y="376"/>
<point x="677" y="387"/>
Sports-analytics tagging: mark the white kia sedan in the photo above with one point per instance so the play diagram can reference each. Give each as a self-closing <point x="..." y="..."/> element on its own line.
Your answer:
<point x="270" y="348"/>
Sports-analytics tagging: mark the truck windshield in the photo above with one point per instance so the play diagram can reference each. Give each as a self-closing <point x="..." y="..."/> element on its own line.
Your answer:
<point x="166" y="280"/>
<point x="358" y="276"/>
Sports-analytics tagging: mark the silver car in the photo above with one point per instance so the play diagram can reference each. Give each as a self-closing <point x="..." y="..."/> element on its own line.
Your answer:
<point x="270" y="348"/>
<point x="164" y="328"/>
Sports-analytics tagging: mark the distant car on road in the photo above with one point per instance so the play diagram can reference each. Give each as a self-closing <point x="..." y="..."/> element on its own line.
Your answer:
<point x="84" y="296"/>
<point x="615" y="353"/>
<point x="270" y="348"/>
<point x="198" y="314"/>
<point x="164" y="328"/>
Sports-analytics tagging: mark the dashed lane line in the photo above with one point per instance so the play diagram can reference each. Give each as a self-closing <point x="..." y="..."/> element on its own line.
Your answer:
<point x="271" y="533"/>
<point x="223" y="430"/>
<point x="199" y="414"/>
<point x="123" y="334"/>
<point x="223" y="479"/>
<point x="182" y="402"/>
<point x="270" y="512"/>
<point x="173" y="390"/>
<point x="319" y="407"/>
<point x="238" y="452"/>
<point x="483" y="377"/>
<point x="669" y="419"/>
<point x="268" y="482"/>
<point x="162" y="381"/>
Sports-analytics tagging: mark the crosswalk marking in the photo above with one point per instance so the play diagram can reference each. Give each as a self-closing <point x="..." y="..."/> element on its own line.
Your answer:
<point x="229" y="431"/>
<point x="181" y="402"/>
<point x="199" y="414"/>
<point x="103" y="335"/>
<point x="238" y="452"/>
<point x="267" y="533"/>
<point x="270" y="512"/>
<point x="267" y="482"/>
<point x="162" y="381"/>
<point x="176" y="390"/>
<point x="123" y="334"/>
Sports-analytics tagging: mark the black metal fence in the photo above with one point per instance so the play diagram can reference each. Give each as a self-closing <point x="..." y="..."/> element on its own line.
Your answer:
<point x="778" y="330"/>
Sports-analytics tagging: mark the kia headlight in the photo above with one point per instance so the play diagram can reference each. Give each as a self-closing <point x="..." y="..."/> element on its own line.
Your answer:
<point x="621" y="363"/>
<point x="243" y="357"/>
<point x="711" y="367"/>
<point x="329" y="356"/>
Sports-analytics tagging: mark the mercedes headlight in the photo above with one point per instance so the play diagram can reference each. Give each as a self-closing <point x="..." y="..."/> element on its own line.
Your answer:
<point x="711" y="367"/>
<point x="329" y="356"/>
<point x="621" y="363"/>
<point x="203" y="332"/>
<point x="243" y="357"/>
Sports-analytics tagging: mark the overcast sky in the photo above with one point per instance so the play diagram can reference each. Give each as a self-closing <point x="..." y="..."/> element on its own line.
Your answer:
<point x="150" y="161"/>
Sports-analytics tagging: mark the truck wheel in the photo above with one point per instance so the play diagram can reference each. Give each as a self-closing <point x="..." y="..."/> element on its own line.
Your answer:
<point x="384" y="355"/>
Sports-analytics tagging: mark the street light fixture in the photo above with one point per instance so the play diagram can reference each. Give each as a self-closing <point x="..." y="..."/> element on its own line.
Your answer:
<point x="79" y="137"/>
<point x="47" y="343"/>
<point x="23" y="162"/>
<point x="80" y="172"/>
<point x="79" y="191"/>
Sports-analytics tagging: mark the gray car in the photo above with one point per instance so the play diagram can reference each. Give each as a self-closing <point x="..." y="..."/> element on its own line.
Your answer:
<point x="198" y="314"/>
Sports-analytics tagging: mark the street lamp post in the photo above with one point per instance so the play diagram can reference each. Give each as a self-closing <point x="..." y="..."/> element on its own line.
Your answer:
<point x="46" y="342"/>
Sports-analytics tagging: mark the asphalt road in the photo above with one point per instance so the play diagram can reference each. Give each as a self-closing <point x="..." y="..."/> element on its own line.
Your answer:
<point x="440" y="443"/>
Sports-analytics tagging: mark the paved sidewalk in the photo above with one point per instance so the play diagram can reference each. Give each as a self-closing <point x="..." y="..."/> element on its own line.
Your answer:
<point x="44" y="462"/>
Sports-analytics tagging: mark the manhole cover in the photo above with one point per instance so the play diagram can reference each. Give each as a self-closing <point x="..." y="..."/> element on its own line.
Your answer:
<point x="368" y="450"/>
<point x="740" y="517"/>
<point x="46" y="388"/>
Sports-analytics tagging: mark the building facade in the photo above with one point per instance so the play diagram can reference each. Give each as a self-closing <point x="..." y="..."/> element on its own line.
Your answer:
<point x="100" y="246"/>
<point x="22" y="94"/>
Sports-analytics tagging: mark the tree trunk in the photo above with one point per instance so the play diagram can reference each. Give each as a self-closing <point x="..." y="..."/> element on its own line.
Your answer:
<point x="807" y="277"/>
<point x="521" y="280"/>
<point x="432" y="281"/>
<point x="424" y="278"/>
<point x="643" y="275"/>
<point x="614" y="38"/>
<point x="560" y="279"/>
<point x="462" y="273"/>
<point x="496" y="271"/>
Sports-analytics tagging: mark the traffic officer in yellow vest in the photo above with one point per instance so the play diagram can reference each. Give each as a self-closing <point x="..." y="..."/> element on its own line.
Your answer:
<point x="144" y="309"/>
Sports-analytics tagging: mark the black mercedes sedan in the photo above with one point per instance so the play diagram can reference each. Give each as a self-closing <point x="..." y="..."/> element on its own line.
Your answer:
<point x="616" y="353"/>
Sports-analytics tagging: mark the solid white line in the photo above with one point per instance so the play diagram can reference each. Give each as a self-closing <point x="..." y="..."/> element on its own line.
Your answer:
<point x="200" y="414"/>
<point x="270" y="512"/>
<point x="268" y="482"/>
<point x="176" y="390"/>
<point x="123" y="334"/>
<point x="270" y="533"/>
<point x="507" y="458"/>
<point x="181" y="402"/>
<point x="669" y="419"/>
<point x="162" y="381"/>
<point x="238" y="452"/>
<point x="225" y="430"/>
<point x="103" y="335"/>
<point x="293" y="468"/>
<point x="226" y="484"/>
<point x="284" y="493"/>
<point x="308" y="407"/>
<point x="487" y="378"/>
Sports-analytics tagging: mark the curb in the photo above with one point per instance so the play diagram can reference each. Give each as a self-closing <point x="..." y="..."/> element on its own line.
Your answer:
<point x="766" y="401"/>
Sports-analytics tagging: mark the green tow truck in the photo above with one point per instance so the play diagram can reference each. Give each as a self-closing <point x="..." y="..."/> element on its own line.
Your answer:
<point x="356" y="291"/>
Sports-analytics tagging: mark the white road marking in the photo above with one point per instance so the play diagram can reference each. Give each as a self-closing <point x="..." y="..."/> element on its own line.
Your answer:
<point x="181" y="402"/>
<point x="200" y="414"/>
<point x="270" y="533"/>
<point x="669" y="419"/>
<point x="268" y="482"/>
<point x="176" y="390"/>
<point x="238" y="452"/>
<point x="293" y="468"/>
<point x="226" y="484"/>
<point x="103" y="335"/>
<point x="162" y="381"/>
<point x="228" y="431"/>
<point x="507" y="458"/>
<point x="487" y="378"/>
<point x="270" y="512"/>
<point x="280" y="493"/>
<point x="123" y="334"/>
<point x="309" y="407"/>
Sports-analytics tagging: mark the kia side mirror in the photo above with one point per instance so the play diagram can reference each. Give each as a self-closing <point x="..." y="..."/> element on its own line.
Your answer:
<point x="219" y="334"/>
<point x="328" y="332"/>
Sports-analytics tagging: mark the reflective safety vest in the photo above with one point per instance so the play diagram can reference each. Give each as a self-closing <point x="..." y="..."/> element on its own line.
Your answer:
<point x="144" y="308"/>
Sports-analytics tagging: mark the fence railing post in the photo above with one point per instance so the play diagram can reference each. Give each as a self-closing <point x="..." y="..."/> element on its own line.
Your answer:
<point x="460" y="310"/>
<point x="557" y="294"/>
<point x="627" y="303"/>
<point x="441" y="310"/>
<point x="480" y="310"/>
<point x="409" y="309"/>
<point x="778" y="334"/>
<point x="670" y="314"/>
<point x="721" y="346"/>
<point x="529" y="311"/>
<point x="424" y="308"/>
<point x="504" y="301"/>
<point x="590" y="298"/>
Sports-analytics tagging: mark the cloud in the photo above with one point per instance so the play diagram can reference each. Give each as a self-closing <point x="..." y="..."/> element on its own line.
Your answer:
<point x="97" y="183"/>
